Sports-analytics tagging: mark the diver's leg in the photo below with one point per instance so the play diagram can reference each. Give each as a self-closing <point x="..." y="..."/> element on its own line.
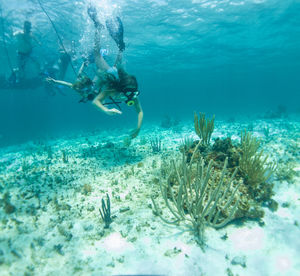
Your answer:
<point x="94" y="17"/>
<point x="99" y="60"/>
<point x="116" y="31"/>
<point x="21" y="62"/>
<point x="36" y="63"/>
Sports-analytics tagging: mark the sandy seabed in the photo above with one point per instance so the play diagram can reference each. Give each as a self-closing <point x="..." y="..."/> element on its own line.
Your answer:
<point x="51" y="192"/>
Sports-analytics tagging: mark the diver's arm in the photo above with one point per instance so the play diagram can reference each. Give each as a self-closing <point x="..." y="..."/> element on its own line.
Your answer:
<point x="51" y="80"/>
<point x="140" y="113"/>
<point x="98" y="102"/>
<point x="17" y="37"/>
<point x="17" y="34"/>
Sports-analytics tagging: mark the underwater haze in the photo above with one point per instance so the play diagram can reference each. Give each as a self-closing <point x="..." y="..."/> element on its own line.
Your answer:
<point x="221" y="57"/>
<point x="193" y="170"/>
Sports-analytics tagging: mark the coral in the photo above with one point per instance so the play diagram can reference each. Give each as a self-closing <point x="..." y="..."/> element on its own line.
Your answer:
<point x="156" y="144"/>
<point x="253" y="166"/>
<point x="8" y="207"/>
<point x="222" y="149"/>
<point x="65" y="156"/>
<point x="196" y="150"/>
<point x="203" y="198"/>
<point x="286" y="172"/>
<point x="186" y="144"/>
<point x="204" y="127"/>
<point x="253" y="170"/>
<point x="105" y="212"/>
<point x="87" y="189"/>
<point x="222" y="145"/>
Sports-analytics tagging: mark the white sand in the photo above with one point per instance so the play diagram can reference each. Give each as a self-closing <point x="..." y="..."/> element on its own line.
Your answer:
<point x="57" y="229"/>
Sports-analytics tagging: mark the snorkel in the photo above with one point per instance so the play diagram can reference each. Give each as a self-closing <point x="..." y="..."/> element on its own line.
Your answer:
<point x="131" y="96"/>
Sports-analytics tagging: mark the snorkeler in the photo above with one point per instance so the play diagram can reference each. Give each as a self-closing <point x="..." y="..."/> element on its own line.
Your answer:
<point x="111" y="83"/>
<point x="83" y="85"/>
<point x="114" y="83"/>
<point x="25" y="43"/>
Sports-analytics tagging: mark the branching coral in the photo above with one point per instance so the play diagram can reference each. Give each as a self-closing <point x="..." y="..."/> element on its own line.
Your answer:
<point x="204" y="128"/>
<point x="253" y="166"/>
<point x="286" y="172"/>
<point x="105" y="212"/>
<point x="204" y="198"/>
<point x="214" y="185"/>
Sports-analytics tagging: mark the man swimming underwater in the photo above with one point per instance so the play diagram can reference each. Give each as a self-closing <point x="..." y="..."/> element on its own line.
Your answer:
<point x="25" y="43"/>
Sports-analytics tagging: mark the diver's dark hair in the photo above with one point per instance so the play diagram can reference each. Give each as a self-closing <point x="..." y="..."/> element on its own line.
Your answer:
<point x="82" y="82"/>
<point x="127" y="82"/>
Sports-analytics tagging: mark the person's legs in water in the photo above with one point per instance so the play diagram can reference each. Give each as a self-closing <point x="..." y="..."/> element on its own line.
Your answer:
<point x="22" y="59"/>
<point x="116" y="31"/>
<point x="99" y="60"/>
<point x="36" y="63"/>
<point x="92" y="12"/>
<point x="14" y="77"/>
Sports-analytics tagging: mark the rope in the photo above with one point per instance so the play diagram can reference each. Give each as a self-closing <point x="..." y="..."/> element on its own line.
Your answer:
<point x="59" y="39"/>
<point x="4" y="42"/>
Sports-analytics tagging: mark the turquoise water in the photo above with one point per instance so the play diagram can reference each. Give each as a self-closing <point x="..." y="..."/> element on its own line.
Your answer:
<point x="221" y="57"/>
<point x="60" y="159"/>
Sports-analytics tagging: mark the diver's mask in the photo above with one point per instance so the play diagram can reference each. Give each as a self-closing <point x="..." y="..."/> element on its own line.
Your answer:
<point x="131" y="96"/>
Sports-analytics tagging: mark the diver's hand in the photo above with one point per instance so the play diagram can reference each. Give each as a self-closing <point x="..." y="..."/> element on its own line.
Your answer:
<point x="113" y="111"/>
<point x="50" y="80"/>
<point x="134" y="133"/>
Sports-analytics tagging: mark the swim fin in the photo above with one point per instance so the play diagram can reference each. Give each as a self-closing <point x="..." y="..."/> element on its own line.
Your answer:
<point x="116" y="31"/>
<point x="93" y="15"/>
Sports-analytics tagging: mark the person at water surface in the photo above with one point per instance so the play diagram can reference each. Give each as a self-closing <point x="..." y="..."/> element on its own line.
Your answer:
<point x="25" y="42"/>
